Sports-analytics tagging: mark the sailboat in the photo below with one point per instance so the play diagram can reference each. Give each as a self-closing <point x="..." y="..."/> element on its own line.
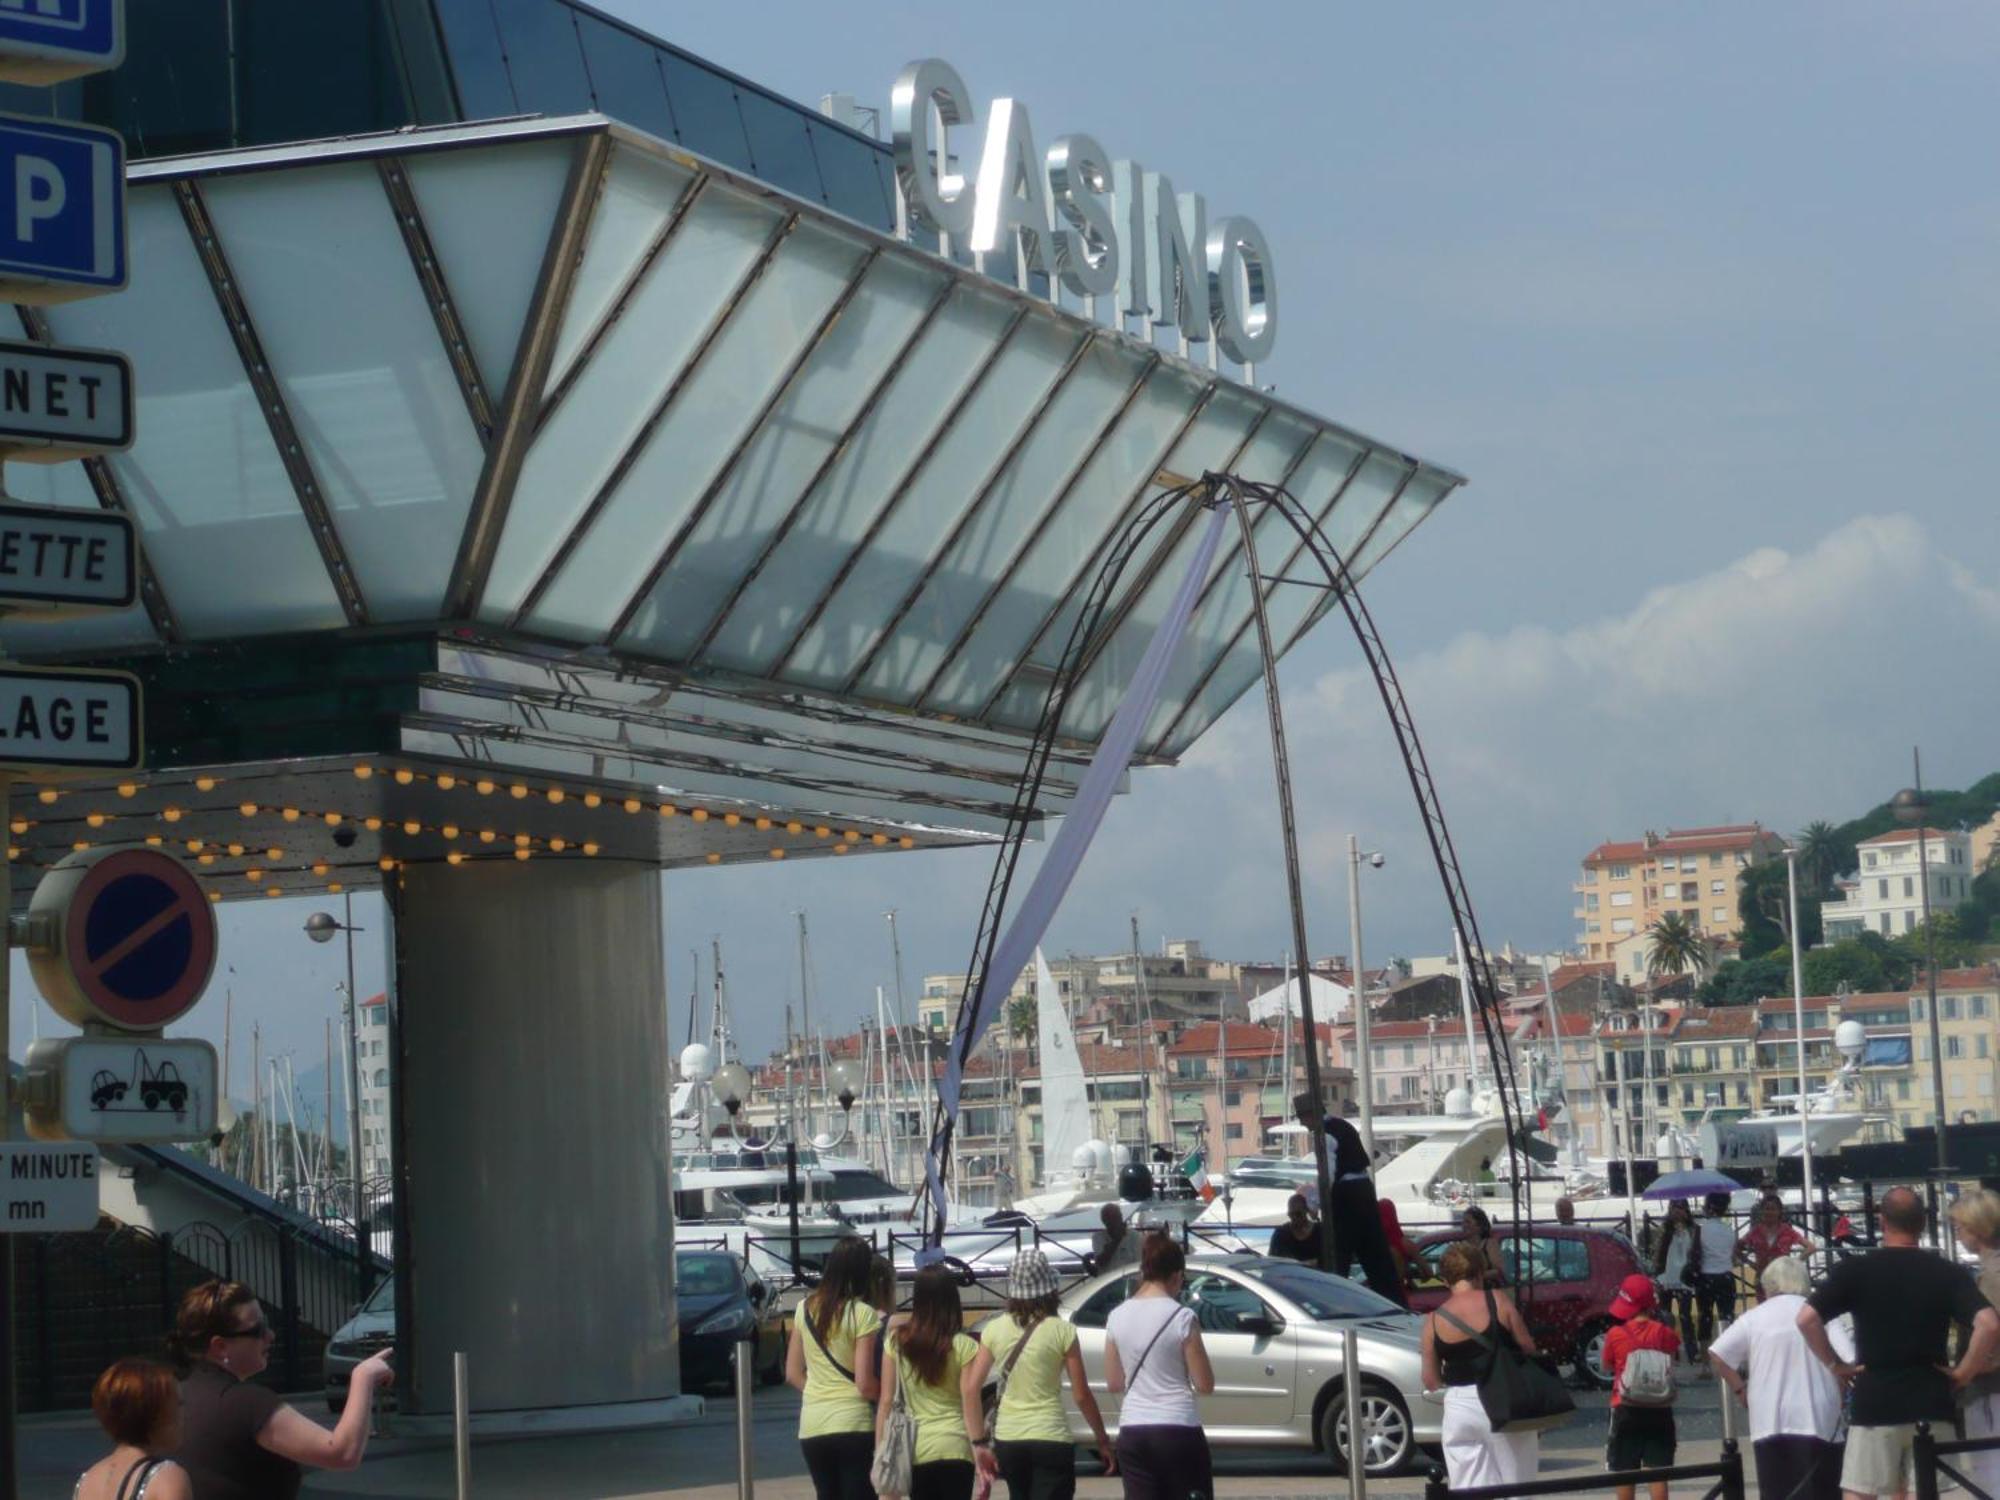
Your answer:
<point x="1076" y="1165"/>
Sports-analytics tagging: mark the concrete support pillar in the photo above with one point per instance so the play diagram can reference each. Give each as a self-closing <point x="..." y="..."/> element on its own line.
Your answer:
<point x="534" y="1225"/>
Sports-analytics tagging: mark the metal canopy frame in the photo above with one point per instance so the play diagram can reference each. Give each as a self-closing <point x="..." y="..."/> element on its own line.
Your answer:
<point x="508" y="423"/>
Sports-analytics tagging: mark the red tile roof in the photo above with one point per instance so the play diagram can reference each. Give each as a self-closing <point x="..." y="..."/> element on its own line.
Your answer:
<point x="1616" y="854"/>
<point x="1901" y="836"/>
<point x="1243" y="1038"/>
<point x="1722" y="836"/>
<point x="1099" y="1058"/>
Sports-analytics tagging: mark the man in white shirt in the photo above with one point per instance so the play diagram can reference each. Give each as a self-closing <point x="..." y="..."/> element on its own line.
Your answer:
<point x="1794" y="1400"/>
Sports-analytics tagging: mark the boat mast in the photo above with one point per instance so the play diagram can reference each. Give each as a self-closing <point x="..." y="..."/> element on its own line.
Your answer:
<point x="1285" y="1027"/>
<point x="806" y="1023"/>
<point x="1145" y="1019"/>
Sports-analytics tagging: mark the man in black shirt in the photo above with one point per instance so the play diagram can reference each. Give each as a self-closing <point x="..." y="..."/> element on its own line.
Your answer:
<point x="1353" y="1215"/>
<point x="1905" y="1302"/>
<point x="1298" y="1237"/>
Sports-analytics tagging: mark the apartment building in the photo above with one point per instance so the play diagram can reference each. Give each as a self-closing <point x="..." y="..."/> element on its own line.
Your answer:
<point x="1226" y="1085"/>
<point x="1415" y="1064"/>
<point x="1128" y="1102"/>
<point x="1628" y="886"/>
<point x="1968" y="1005"/>
<point x="1886" y="894"/>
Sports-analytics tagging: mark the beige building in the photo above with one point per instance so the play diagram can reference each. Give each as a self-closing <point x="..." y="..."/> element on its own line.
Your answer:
<point x="1627" y="887"/>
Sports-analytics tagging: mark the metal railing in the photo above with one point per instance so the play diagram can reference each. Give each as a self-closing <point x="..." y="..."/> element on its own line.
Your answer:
<point x="1726" y="1474"/>
<point x="1928" y="1456"/>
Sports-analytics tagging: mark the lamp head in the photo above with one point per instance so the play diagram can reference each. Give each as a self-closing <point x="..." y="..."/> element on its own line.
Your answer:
<point x="321" y="926"/>
<point x="1376" y="860"/>
<point x="1909" y="805"/>
<point x="732" y="1086"/>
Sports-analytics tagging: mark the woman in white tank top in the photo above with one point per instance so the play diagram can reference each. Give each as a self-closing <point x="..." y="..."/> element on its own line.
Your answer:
<point x="1153" y="1353"/>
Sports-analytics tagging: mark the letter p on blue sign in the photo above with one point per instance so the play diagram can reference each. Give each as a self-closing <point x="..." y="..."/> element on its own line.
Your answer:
<point x="62" y="210"/>
<point x="46" y="41"/>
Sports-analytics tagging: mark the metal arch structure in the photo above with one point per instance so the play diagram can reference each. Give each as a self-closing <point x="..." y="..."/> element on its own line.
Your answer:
<point x="1085" y="638"/>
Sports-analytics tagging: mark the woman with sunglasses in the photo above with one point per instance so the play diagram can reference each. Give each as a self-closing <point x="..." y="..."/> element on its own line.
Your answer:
<point x="238" y="1440"/>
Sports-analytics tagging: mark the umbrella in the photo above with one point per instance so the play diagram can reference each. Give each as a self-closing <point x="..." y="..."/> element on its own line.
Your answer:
<point x="1698" y="1183"/>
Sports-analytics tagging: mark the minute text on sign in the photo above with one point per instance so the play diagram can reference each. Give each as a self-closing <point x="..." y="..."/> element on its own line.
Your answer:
<point x="82" y="719"/>
<point x="47" y="1186"/>
<point x="52" y="558"/>
<point x="58" y="404"/>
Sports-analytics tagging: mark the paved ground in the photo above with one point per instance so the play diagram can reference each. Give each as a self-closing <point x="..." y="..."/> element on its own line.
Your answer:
<point x="698" y="1461"/>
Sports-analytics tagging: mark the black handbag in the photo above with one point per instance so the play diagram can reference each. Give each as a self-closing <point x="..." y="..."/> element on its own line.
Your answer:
<point x="1519" y="1394"/>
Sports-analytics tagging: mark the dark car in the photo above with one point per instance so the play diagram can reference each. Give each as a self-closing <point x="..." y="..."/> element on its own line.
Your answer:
<point x="371" y="1329"/>
<point x="1564" y="1289"/>
<point x="720" y="1306"/>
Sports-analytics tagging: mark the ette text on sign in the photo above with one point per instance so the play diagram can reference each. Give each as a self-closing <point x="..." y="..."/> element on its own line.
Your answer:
<point x="53" y="559"/>
<point x="74" y="718"/>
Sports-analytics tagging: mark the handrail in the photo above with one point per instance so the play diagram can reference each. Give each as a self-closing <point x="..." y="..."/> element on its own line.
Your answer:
<point x="1928" y="1455"/>
<point x="1727" y="1472"/>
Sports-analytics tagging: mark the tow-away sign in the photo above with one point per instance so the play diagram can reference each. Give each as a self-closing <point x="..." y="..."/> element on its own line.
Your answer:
<point x="74" y="718"/>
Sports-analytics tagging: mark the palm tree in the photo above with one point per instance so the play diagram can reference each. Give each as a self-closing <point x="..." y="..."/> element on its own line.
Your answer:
<point x="1678" y="948"/>
<point x="1819" y="853"/>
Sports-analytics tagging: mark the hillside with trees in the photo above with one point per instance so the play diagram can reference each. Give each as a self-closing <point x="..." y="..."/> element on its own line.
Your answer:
<point x="1869" y="963"/>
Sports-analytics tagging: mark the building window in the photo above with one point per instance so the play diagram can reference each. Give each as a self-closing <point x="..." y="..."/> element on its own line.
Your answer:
<point x="1975" y="1006"/>
<point x="1621" y="872"/>
<point x="1953" y="1047"/>
<point x="1233" y="1097"/>
<point x="1903" y="1089"/>
<point x="1718" y="914"/>
<point x="1621" y="898"/>
<point x="1590" y="901"/>
<point x="1909" y="886"/>
<point x="1409" y="1056"/>
<point x="1979" y="1045"/>
<point x="1881" y="890"/>
<point x="1718" y="887"/>
<point x="1621" y="926"/>
<point x="1234" y="1131"/>
<point x="1909" y="920"/>
<point x="1916" y="1007"/>
<point x="1689" y="864"/>
<point x="1950" y="1011"/>
<point x="1715" y="861"/>
<point x="1885" y="924"/>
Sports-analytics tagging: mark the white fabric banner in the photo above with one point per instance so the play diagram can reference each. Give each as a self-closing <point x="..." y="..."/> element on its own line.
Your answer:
<point x="1072" y="841"/>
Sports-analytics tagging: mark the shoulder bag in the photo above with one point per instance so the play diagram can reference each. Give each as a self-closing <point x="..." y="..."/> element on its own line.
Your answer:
<point x="1519" y="1394"/>
<point x="896" y="1450"/>
<point x="805" y="1316"/>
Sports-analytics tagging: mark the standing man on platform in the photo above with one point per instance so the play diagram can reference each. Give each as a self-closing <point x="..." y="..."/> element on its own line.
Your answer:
<point x="1352" y="1217"/>
<point x="1904" y="1301"/>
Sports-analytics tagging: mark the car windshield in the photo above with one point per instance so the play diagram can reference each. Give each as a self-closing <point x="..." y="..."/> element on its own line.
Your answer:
<point x="1320" y="1295"/>
<point x="383" y="1298"/>
<point x="704" y="1275"/>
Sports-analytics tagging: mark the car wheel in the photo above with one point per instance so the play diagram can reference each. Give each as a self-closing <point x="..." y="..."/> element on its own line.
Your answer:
<point x="1591" y="1365"/>
<point x="1388" y="1440"/>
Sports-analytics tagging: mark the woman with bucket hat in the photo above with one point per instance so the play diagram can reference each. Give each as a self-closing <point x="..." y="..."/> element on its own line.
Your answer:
<point x="1033" y="1346"/>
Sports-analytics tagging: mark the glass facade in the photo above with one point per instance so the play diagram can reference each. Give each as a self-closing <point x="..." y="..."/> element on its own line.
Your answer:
<point x="208" y="75"/>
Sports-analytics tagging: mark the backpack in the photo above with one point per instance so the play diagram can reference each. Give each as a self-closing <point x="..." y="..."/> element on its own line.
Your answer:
<point x="1647" y="1379"/>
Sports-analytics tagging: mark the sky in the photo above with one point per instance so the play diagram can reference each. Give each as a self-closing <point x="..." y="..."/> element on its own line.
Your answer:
<point x="1705" y="301"/>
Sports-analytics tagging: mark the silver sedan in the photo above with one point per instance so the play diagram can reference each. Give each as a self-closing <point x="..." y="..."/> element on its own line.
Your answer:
<point x="1274" y="1329"/>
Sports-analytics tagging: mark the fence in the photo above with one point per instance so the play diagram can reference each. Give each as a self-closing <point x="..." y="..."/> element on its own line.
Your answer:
<point x="1727" y="1474"/>
<point x="84" y="1299"/>
<point x="1929" y="1457"/>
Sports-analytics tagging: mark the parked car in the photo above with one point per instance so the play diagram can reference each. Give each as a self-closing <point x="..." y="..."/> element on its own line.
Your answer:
<point x="372" y="1328"/>
<point x="1274" y="1334"/>
<point x="719" y="1302"/>
<point x="1567" y="1299"/>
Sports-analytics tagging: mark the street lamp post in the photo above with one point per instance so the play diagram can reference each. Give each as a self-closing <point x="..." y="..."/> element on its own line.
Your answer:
<point x="1799" y="1026"/>
<point x="1910" y="806"/>
<point x="320" y="927"/>
<point x="1355" y="855"/>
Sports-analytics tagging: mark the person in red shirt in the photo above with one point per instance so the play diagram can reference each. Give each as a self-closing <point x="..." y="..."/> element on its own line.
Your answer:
<point x="1642" y="1436"/>
<point x="1767" y="1238"/>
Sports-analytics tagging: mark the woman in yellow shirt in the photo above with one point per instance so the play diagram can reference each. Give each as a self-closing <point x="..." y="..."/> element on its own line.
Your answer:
<point x="927" y="1355"/>
<point x="1033" y="1345"/>
<point x="831" y="1359"/>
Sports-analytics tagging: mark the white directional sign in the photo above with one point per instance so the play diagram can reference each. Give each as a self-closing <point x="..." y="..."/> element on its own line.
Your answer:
<point x="134" y="1088"/>
<point x="55" y="561"/>
<point x="58" y="404"/>
<point x="69" y="718"/>
<point x="46" y="41"/>
<point x="45" y="1186"/>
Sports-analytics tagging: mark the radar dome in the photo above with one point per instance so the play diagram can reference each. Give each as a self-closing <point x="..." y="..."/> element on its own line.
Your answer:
<point x="1083" y="1159"/>
<point x="697" y="1062"/>
<point x="1849" y="1038"/>
<point x="1458" y="1103"/>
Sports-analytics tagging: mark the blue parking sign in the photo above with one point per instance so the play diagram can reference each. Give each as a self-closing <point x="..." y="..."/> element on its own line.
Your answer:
<point x="46" y="41"/>
<point x="62" y="210"/>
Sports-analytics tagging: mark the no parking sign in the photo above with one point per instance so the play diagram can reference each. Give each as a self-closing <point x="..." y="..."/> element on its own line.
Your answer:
<point x="127" y="939"/>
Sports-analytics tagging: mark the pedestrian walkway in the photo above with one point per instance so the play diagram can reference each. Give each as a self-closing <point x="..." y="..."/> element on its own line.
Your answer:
<point x="697" y="1461"/>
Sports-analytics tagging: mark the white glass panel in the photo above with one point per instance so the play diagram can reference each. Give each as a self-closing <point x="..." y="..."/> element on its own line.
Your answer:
<point x="781" y="460"/>
<point x="222" y="524"/>
<point x="1418" y="499"/>
<point x="1223" y="621"/>
<point x="934" y="502"/>
<point x="1018" y="501"/>
<point x="68" y="486"/>
<point x="575" y="452"/>
<point x="639" y="195"/>
<point x="1211" y="443"/>
<point x="1049" y="569"/>
<point x="364" y="375"/>
<point x="710" y="415"/>
<point x="489" y="214"/>
<point x="1289" y="605"/>
<point x="1278" y="441"/>
<point x="764" y="620"/>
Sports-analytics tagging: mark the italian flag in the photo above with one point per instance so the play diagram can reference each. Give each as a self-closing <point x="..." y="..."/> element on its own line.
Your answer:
<point x="1194" y="1167"/>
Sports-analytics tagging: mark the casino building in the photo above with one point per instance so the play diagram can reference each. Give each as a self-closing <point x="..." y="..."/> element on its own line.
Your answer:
<point x="561" y="460"/>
